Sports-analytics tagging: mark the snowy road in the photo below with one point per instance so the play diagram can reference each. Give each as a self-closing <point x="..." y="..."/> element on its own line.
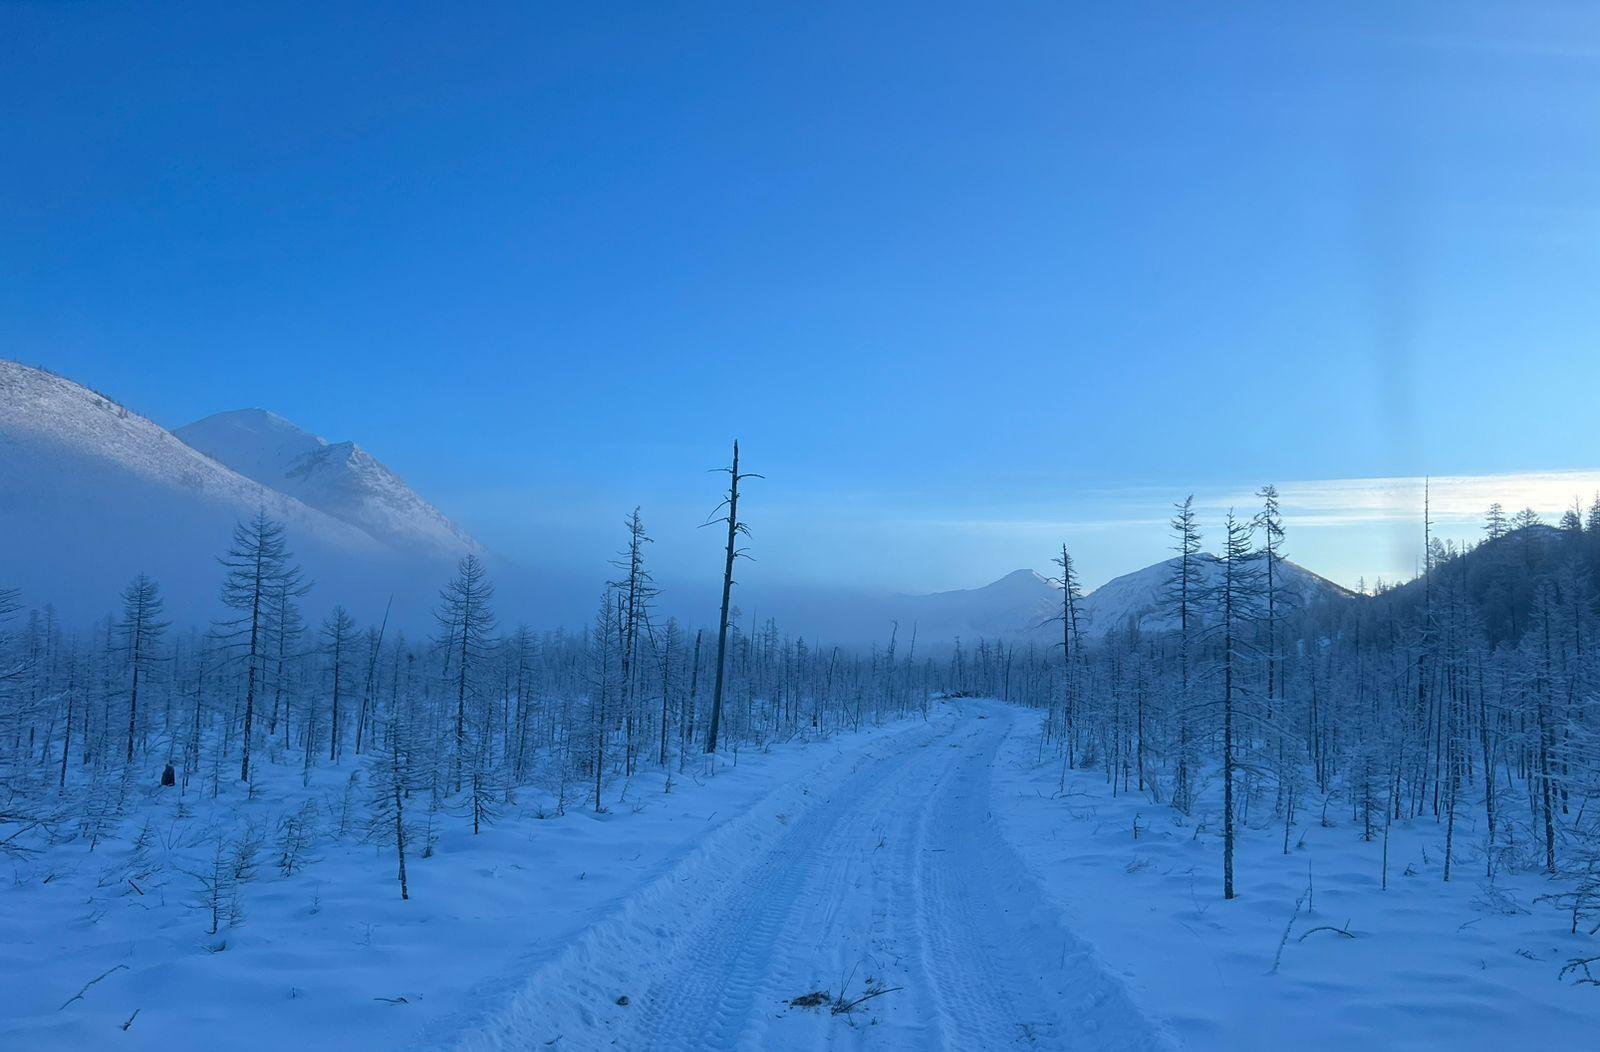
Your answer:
<point x="888" y="874"/>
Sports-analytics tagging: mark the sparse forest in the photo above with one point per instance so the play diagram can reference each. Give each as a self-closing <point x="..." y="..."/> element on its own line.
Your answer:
<point x="1472" y="687"/>
<point x="451" y="728"/>
<point x="1466" y="698"/>
<point x="1155" y="604"/>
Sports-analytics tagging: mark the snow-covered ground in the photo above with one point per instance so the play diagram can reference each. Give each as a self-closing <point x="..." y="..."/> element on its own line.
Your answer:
<point x="317" y="953"/>
<point x="885" y="881"/>
<point x="927" y="879"/>
<point x="1430" y="965"/>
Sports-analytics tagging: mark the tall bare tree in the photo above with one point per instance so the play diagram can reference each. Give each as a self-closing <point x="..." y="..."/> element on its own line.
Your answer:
<point x="1236" y="596"/>
<point x="466" y="624"/>
<point x="736" y="529"/>
<point x="1183" y="592"/>
<point x="1071" y="596"/>
<point x="636" y="591"/>
<point x="141" y="627"/>
<point x="338" y="636"/>
<point x="258" y="569"/>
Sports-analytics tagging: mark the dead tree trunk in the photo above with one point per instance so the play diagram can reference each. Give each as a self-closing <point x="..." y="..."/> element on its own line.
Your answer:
<point x="735" y="528"/>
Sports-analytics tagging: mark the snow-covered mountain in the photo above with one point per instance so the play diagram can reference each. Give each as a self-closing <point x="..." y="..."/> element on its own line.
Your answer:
<point x="1137" y="596"/>
<point x="1021" y="603"/>
<point x="338" y="478"/>
<point x="92" y="493"/>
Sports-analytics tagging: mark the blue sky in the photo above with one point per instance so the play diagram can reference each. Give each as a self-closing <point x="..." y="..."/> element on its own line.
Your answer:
<point x="961" y="277"/>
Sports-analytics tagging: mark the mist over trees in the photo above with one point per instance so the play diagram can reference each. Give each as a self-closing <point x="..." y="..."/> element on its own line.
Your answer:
<point x="1470" y="690"/>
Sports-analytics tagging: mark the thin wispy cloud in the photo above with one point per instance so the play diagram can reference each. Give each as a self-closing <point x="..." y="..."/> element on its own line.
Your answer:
<point x="1451" y="498"/>
<point x="1350" y="529"/>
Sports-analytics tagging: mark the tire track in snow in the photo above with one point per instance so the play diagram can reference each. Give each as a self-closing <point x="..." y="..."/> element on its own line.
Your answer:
<point x="662" y="928"/>
<point x="798" y="900"/>
<point x="891" y="869"/>
<point x="1009" y="974"/>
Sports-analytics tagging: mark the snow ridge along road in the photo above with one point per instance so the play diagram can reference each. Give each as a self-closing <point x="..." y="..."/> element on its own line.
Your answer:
<point x="886" y="873"/>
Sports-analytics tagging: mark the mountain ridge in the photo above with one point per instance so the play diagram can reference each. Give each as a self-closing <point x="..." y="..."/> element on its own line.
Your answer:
<point x="100" y="492"/>
<point x="339" y="478"/>
<point x="95" y="493"/>
<point x="1022" y="603"/>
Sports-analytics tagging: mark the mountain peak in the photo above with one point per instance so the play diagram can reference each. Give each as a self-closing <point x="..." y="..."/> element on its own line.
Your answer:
<point x="1024" y="602"/>
<point x="1025" y="578"/>
<point x="339" y="478"/>
<point x="96" y="492"/>
<point x="256" y="443"/>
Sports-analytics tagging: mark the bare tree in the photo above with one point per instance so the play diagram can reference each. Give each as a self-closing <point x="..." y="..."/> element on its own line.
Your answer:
<point x="736" y="528"/>
<point x="466" y="623"/>
<point x="258" y="569"/>
<point x="1183" y="592"/>
<point x="338" y="635"/>
<point x="636" y="590"/>
<point x="1071" y="596"/>
<point x="1236" y="597"/>
<point x="141" y="628"/>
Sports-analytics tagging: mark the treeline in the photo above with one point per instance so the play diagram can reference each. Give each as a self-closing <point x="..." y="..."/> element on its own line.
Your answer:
<point x="471" y="714"/>
<point x="1470" y="692"/>
<point x="447" y="728"/>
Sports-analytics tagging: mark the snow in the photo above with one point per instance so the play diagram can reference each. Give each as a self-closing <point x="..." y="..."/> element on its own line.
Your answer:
<point x="1137" y="596"/>
<point x="317" y="950"/>
<point x="936" y="865"/>
<point x="339" y="478"/>
<point x="256" y="443"/>
<point x="57" y="432"/>
<point x="96" y="493"/>
<point x="887" y="875"/>
<point x="1021" y="603"/>
<point x="1431" y="965"/>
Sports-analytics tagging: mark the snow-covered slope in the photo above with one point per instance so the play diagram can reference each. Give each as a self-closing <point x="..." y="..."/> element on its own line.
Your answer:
<point x="339" y="478"/>
<point x="92" y="493"/>
<point x="1137" y="596"/>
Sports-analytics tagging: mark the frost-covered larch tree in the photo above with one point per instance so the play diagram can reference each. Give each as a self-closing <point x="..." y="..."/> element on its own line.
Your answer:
<point x="1181" y="599"/>
<point x="1236" y="600"/>
<point x="141" y="628"/>
<point x="636" y="591"/>
<point x="258" y="570"/>
<point x="466" y="625"/>
<point x="338" y="639"/>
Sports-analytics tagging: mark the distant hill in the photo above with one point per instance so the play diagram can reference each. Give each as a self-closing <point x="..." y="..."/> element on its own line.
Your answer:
<point x="1137" y="597"/>
<point x="92" y="493"/>
<point x="1016" y="604"/>
<point x="1499" y="577"/>
<point x="1020" y="603"/>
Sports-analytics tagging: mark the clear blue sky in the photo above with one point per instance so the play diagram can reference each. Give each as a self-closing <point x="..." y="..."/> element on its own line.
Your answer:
<point x="958" y="275"/>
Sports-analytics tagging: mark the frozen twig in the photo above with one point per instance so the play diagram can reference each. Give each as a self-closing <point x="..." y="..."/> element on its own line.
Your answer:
<point x="1345" y="931"/>
<point x="1277" y="958"/>
<point x="79" y="995"/>
<point x="846" y="1007"/>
